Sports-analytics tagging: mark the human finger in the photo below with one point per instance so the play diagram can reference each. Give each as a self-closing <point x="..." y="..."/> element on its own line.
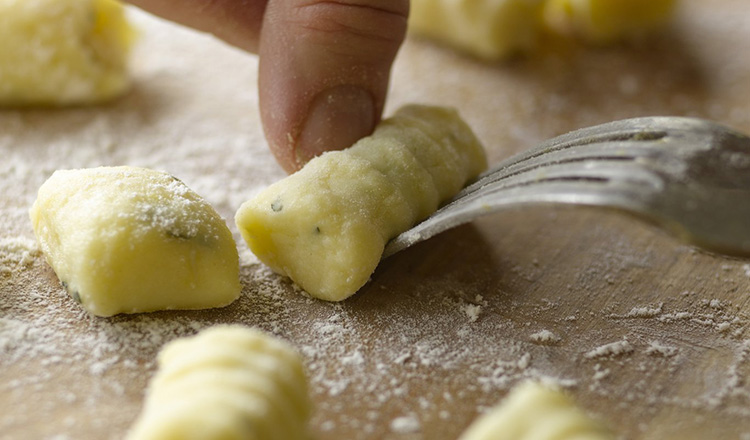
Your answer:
<point x="237" y="22"/>
<point x="324" y="72"/>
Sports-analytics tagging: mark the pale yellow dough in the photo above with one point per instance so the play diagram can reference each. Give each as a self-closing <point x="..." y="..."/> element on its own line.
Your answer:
<point x="536" y="412"/>
<point x="488" y="29"/>
<point x="62" y="52"/>
<point x="326" y="226"/>
<point x="226" y="383"/>
<point x="605" y="21"/>
<point x="494" y="29"/>
<point x="127" y="240"/>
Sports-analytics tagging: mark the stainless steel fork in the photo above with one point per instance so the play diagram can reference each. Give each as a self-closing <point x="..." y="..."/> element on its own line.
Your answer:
<point x="689" y="176"/>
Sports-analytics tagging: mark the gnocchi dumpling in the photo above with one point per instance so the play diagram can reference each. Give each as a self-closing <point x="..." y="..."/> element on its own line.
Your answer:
<point x="495" y="29"/>
<point x="604" y="21"/>
<point x="533" y="411"/>
<point x="63" y="52"/>
<point x="326" y="226"/>
<point x="228" y="382"/>
<point x="127" y="240"/>
<point x="488" y="29"/>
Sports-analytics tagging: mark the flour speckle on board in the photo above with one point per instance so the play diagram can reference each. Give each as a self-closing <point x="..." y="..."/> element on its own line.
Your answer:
<point x="617" y="348"/>
<point x="544" y="337"/>
<point x="657" y="348"/>
<point x="642" y="312"/>
<point x="16" y="253"/>
<point x="405" y="424"/>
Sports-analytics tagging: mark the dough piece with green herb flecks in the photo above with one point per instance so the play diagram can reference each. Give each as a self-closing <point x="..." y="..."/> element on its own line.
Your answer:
<point x="326" y="226"/>
<point x="63" y="52"/>
<point x="128" y="240"/>
<point x="536" y="412"/>
<point x="228" y="382"/>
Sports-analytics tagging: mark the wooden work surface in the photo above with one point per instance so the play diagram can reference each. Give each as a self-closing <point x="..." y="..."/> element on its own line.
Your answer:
<point x="649" y="335"/>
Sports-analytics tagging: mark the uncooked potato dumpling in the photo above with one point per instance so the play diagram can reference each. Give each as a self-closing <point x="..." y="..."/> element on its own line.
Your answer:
<point x="227" y="382"/>
<point x="495" y="29"/>
<point x="62" y="52"/>
<point x="326" y="226"/>
<point x="533" y="411"/>
<point x="605" y="21"/>
<point x="489" y="29"/>
<point x="128" y="240"/>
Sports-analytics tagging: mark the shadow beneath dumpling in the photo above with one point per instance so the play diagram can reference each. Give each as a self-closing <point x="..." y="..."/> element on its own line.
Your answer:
<point x="458" y="260"/>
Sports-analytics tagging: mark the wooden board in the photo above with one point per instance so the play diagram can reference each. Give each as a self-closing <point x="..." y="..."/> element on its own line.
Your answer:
<point x="649" y="335"/>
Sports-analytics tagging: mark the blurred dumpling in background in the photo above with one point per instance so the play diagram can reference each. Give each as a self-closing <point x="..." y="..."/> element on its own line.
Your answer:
<point x="496" y="29"/>
<point x="63" y="52"/>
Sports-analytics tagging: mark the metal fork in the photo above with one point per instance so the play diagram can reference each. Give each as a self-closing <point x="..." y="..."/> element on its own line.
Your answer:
<point x="688" y="176"/>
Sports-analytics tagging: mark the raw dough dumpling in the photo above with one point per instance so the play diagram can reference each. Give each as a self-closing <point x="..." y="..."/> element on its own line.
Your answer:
<point x="228" y="382"/>
<point x="62" y="52"/>
<point x="495" y="29"/>
<point x="536" y="412"/>
<point x="127" y="240"/>
<point x="488" y="29"/>
<point x="326" y="226"/>
<point x="605" y="21"/>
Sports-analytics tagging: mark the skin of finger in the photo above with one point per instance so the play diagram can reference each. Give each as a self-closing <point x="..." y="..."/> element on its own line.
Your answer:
<point x="310" y="46"/>
<point x="237" y="22"/>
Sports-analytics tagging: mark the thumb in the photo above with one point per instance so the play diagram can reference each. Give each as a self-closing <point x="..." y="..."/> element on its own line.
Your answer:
<point x="324" y="71"/>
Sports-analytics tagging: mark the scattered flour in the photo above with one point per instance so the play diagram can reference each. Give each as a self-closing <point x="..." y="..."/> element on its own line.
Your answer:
<point x="612" y="349"/>
<point x="545" y="337"/>
<point x="17" y="253"/>
<point x="431" y="358"/>
<point x="657" y="348"/>
<point x="406" y="424"/>
<point x="642" y="312"/>
<point x="472" y="311"/>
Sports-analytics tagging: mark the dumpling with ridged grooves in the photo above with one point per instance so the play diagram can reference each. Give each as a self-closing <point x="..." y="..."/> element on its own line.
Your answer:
<point x="226" y="383"/>
<point x="326" y="226"/>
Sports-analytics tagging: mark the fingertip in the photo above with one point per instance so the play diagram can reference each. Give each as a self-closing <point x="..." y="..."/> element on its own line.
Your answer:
<point x="338" y="117"/>
<point x="324" y="72"/>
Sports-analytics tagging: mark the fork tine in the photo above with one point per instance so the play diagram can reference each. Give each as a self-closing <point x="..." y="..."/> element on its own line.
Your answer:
<point x="679" y="173"/>
<point x="636" y="129"/>
<point x="581" y="191"/>
<point x="621" y="151"/>
<point x="634" y="137"/>
<point x="630" y="172"/>
<point x="612" y="184"/>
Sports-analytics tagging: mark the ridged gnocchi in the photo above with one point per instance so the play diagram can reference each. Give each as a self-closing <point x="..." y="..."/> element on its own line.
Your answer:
<point x="128" y="240"/>
<point x="226" y="383"/>
<point x="63" y="52"/>
<point x="326" y="226"/>
<point x="536" y="412"/>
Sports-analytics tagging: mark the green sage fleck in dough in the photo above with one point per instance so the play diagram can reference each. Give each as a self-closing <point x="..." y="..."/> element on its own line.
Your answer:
<point x="127" y="240"/>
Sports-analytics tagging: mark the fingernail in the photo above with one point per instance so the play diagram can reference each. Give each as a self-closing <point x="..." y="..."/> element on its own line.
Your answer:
<point x="338" y="118"/>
